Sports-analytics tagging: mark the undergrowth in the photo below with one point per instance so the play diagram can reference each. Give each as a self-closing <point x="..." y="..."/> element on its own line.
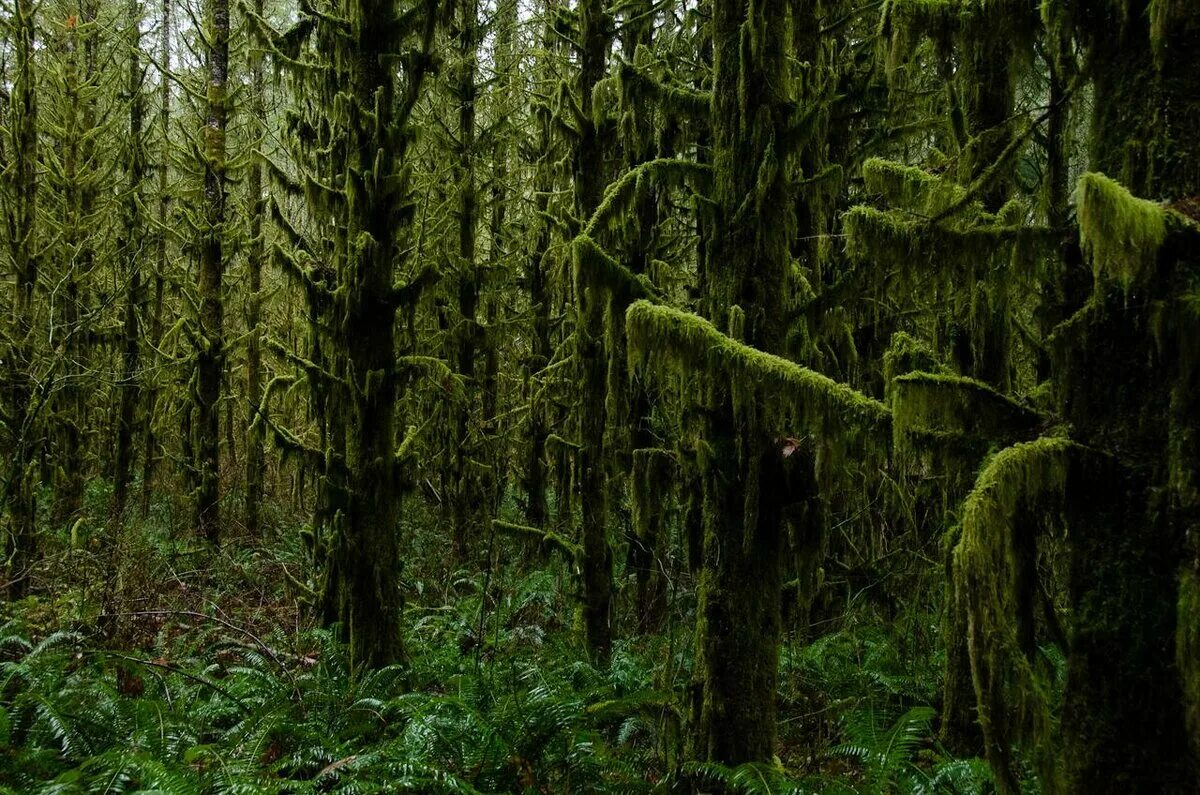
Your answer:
<point x="160" y="690"/>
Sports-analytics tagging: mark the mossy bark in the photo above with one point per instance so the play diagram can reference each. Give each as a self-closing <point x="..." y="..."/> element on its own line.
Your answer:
<point x="466" y="499"/>
<point x="21" y="226"/>
<point x="255" y="255"/>
<point x="130" y="247"/>
<point x="163" y="167"/>
<point x="740" y="582"/>
<point x="591" y="357"/>
<point x="210" y="355"/>
<point x="1123" y="723"/>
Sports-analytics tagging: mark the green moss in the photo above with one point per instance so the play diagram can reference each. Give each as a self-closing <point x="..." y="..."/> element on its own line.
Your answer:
<point x="661" y="340"/>
<point x="890" y="239"/>
<point x="1187" y="650"/>
<point x="546" y="540"/>
<point x="1018" y="486"/>
<point x="909" y="187"/>
<point x="621" y="195"/>
<point x="943" y="407"/>
<point x="596" y="269"/>
<point x="1120" y="233"/>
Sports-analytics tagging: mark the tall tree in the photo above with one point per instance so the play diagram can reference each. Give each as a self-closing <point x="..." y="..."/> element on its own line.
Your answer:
<point x="360" y="124"/>
<point x="210" y="332"/>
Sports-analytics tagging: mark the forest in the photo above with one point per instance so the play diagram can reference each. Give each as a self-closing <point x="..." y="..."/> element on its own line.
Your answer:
<point x="723" y="397"/>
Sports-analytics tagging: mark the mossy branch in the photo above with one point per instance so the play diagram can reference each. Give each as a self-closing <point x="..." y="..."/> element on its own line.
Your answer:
<point x="410" y="292"/>
<point x="1019" y="484"/>
<point x="619" y="195"/>
<point x="941" y="407"/>
<point x="547" y="540"/>
<point x="594" y="267"/>
<point x="1120" y="234"/>
<point x="662" y="339"/>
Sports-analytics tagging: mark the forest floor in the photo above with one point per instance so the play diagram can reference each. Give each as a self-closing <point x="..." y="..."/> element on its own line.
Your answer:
<point x="157" y="665"/>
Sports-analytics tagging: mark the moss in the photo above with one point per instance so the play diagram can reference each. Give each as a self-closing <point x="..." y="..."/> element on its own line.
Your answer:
<point x="941" y="407"/>
<point x="596" y="269"/>
<point x="547" y="541"/>
<point x="909" y="187"/>
<point x="1187" y="650"/>
<point x="907" y="354"/>
<point x="1121" y="234"/>
<point x="991" y="571"/>
<point x="661" y="339"/>
<point x="622" y="193"/>
<point x="905" y="22"/>
<point x="894" y="241"/>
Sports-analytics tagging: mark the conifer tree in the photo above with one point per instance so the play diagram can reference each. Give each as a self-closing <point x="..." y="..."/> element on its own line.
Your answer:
<point x="210" y="331"/>
<point x="352" y="161"/>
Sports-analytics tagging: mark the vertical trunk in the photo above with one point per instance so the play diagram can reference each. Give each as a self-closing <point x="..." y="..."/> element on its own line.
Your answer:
<point x="149" y="442"/>
<point x="210" y="357"/>
<point x="129" y="247"/>
<point x="535" y="474"/>
<point x="502" y="152"/>
<point x="254" y="373"/>
<point x="76" y="259"/>
<point x="739" y="590"/>
<point x="1123" y="704"/>
<point x="465" y="502"/>
<point x="20" y="487"/>
<point x="590" y="351"/>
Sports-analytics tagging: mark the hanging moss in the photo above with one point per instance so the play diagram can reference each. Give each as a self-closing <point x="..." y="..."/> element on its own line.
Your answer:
<point x="662" y="339"/>
<point x="905" y="22"/>
<point x="990" y="569"/>
<point x="933" y="408"/>
<point x="622" y="193"/>
<point x="1121" y="234"/>
<point x="910" y="188"/>
<point x="546" y="540"/>
<point x="890" y="239"/>
<point x="596" y="269"/>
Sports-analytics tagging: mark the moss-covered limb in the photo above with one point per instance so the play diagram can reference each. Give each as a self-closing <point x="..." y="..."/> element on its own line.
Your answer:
<point x="907" y="354"/>
<point x="659" y="333"/>
<point x="1120" y="233"/>
<point x="677" y="99"/>
<point x="311" y="369"/>
<point x="409" y="292"/>
<point x="596" y="268"/>
<point x="547" y="540"/>
<point x="620" y="195"/>
<point x="904" y="23"/>
<point x="992" y="569"/>
<point x="909" y="187"/>
<point x="902" y="244"/>
<point x="945" y="407"/>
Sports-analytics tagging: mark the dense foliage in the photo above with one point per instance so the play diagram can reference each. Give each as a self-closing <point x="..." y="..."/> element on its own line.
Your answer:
<point x="558" y="396"/>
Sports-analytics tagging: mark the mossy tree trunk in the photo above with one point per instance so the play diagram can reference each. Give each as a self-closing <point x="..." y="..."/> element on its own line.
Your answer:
<point x="1123" y="719"/>
<point x="740" y="582"/>
<point x="256" y="254"/>
<point x="595" y="36"/>
<point x="465" y="499"/>
<point x="210" y="332"/>
<point x="21" y="226"/>
<point x="130" y="246"/>
<point x="155" y="328"/>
